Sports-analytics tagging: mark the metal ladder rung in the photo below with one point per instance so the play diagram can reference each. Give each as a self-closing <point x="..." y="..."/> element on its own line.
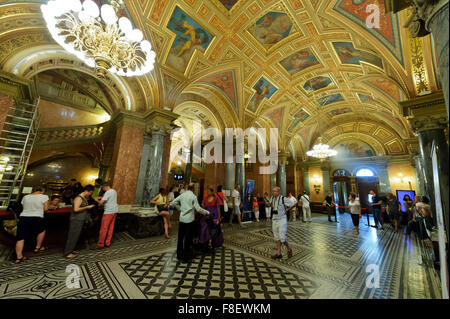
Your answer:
<point x="12" y="140"/>
<point x="11" y="148"/>
<point x="12" y="132"/>
<point x="18" y="125"/>
<point x="9" y="173"/>
<point x="20" y="117"/>
<point x="10" y="181"/>
<point x="21" y="110"/>
<point x="28" y="104"/>
<point x="9" y="155"/>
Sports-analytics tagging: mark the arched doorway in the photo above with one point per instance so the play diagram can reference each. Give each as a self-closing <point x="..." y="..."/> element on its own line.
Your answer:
<point x="366" y="180"/>
<point x="341" y="187"/>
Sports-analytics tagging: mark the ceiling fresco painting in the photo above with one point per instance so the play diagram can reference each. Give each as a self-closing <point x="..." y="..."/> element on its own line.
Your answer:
<point x="272" y="28"/>
<point x="299" y="117"/>
<point x="349" y="55"/>
<point x="276" y="117"/>
<point x="299" y="61"/>
<point x="330" y="99"/>
<point x="317" y="83"/>
<point x="340" y="111"/>
<point x="264" y="89"/>
<point x="386" y="87"/>
<point x="388" y="31"/>
<point x="225" y="82"/>
<point x="354" y="148"/>
<point x="229" y="4"/>
<point x="190" y="36"/>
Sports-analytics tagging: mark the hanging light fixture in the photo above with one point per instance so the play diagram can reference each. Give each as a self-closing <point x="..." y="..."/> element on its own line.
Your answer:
<point x="98" y="37"/>
<point x="321" y="151"/>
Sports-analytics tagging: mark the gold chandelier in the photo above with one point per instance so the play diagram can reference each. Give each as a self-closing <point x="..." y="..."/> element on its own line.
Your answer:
<point x="98" y="37"/>
<point x="321" y="151"/>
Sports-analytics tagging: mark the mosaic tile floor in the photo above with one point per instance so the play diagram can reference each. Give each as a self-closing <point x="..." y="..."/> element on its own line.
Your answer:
<point x="329" y="261"/>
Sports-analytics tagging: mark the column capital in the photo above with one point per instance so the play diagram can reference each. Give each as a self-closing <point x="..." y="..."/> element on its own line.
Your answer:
<point x="283" y="157"/>
<point x="127" y="118"/>
<point x="426" y="112"/>
<point x="423" y="13"/>
<point x="159" y="121"/>
<point x="413" y="146"/>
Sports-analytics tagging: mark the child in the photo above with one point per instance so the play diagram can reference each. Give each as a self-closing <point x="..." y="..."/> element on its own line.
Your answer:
<point x="256" y="208"/>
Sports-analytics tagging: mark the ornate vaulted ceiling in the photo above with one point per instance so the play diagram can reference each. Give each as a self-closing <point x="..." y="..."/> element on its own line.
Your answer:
<point x="307" y="67"/>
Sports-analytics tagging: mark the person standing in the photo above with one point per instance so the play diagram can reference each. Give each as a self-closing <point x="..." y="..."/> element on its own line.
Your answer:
<point x="111" y="209"/>
<point x="279" y="221"/>
<point x="292" y="210"/>
<point x="393" y="209"/>
<point x="31" y="222"/>
<point x="331" y="205"/>
<point x="256" y="208"/>
<point x="376" y="208"/>
<point x="187" y="204"/>
<point x="237" y="204"/>
<point x="170" y="197"/>
<point x="355" y="211"/>
<point x="222" y="199"/>
<point x="306" y="207"/>
<point x="212" y="204"/>
<point x="409" y="204"/>
<point x="268" y="206"/>
<point x="77" y="220"/>
<point x="161" y="209"/>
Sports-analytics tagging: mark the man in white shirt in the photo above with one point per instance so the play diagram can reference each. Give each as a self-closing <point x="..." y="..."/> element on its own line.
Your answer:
<point x="187" y="204"/>
<point x="279" y="221"/>
<point x="236" y="199"/>
<point x="306" y="207"/>
<point x="109" y="202"/>
<point x="292" y="201"/>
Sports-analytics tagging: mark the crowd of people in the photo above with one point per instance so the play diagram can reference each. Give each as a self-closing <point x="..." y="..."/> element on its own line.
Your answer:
<point x="201" y="217"/>
<point x="91" y="205"/>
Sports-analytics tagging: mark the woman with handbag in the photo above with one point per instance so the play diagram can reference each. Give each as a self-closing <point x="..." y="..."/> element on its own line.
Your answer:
<point x="161" y="209"/>
<point x="78" y="219"/>
<point x="211" y="230"/>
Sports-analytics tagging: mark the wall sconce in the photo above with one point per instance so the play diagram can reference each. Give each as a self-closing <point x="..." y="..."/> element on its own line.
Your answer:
<point x="317" y="181"/>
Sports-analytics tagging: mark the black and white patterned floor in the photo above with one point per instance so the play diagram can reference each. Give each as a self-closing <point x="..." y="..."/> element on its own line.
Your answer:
<point x="329" y="261"/>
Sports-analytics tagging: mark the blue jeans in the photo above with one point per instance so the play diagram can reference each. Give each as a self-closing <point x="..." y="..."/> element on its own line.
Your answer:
<point x="376" y="216"/>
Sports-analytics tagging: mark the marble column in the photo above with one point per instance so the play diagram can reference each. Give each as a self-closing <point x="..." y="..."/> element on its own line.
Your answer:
<point x="229" y="176"/>
<point x="273" y="181"/>
<point x="438" y="24"/>
<point x="419" y="176"/>
<point x="428" y="119"/>
<point x="144" y="163"/>
<point x="102" y="172"/>
<point x="306" y="187"/>
<point x="282" y="178"/>
<point x="326" y="178"/>
<point x="240" y="177"/>
<point x="383" y="176"/>
<point x="129" y="138"/>
<point x="158" y="126"/>
<point x="188" y="168"/>
<point x="282" y="162"/>
<point x="426" y="140"/>
<point x="154" y="167"/>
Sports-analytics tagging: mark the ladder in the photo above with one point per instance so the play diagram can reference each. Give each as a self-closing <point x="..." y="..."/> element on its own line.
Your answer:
<point x="16" y="144"/>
